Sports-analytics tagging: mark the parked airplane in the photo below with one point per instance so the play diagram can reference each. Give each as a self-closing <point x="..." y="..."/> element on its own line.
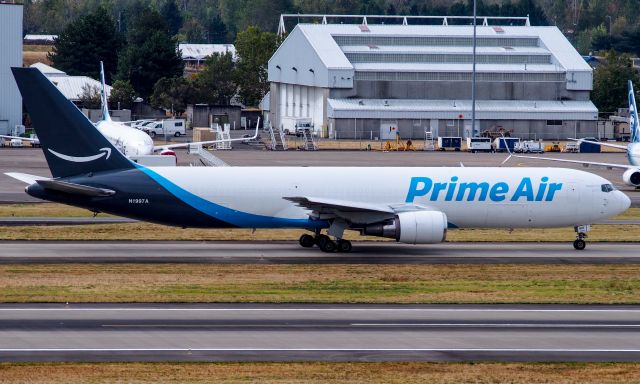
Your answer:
<point x="410" y="205"/>
<point x="631" y="175"/>
<point x="134" y="142"/>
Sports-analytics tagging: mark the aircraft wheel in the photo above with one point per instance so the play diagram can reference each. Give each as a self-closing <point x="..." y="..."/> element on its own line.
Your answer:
<point x="307" y="241"/>
<point x="579" y="244"/>
<point x="344" y="246"/>
<point x="326" y="244"/>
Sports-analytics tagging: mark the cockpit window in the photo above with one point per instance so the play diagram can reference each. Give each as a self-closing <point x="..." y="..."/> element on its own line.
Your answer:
<point x="607" y="188"/>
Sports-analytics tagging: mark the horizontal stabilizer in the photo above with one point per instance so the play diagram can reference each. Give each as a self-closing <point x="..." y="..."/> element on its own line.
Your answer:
<point x="75" y="189"/>
<point x="25" y="177"/>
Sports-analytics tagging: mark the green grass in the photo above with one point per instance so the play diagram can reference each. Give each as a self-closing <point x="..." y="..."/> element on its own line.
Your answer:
<point x="602" y="284"/>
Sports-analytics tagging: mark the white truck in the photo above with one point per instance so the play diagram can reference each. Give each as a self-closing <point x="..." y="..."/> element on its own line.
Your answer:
<point x="528" y="146"/>
<point x="479" y="144"/>
<point x="169" y="127"/>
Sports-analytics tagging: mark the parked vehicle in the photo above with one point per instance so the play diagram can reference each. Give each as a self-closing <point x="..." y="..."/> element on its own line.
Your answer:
<point x="501" y="143"/>
<point x="529" y="146"/>
<point x="169" y="127"/>
<point x="445" y="143"/>
<point x="479" y="144"/>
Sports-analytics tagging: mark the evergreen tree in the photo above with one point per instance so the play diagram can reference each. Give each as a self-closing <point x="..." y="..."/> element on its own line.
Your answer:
<point x="85" y="42"/>
<point x="122" y="95"/>
<point x="254" y="49"/>
<point x="610" y="81"/>
<point x="150" y="55"/>
<point x="172" y="16"/>
<point x="173" y="94"/>
<point x="216" y="83"/>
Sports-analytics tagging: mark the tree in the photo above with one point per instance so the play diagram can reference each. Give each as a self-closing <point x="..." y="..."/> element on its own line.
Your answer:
<point x="216" y="83"/>
<point x="610" y="81"/>
<point x="173" y="94"/>
<point x="172" y="16"/>
<point x="122" y="95"/>
<point x="90" y="97"/>
<point x="254" y="49"/>
<point x="150" y="55"/>
<point x="85" y="42"/>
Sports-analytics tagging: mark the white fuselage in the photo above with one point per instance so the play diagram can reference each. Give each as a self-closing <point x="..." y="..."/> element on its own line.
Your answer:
<point x="129" y="141"/>
<point x="470" y="197"/>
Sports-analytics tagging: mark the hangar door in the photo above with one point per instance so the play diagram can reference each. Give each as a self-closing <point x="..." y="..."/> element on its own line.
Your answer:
<point x="388" y="129"/>
<point x="4" y="127"/>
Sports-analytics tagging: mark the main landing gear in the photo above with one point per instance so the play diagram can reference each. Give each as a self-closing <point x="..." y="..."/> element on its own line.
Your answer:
<point x="325" y="243"/>
<point x="581" y="234"/>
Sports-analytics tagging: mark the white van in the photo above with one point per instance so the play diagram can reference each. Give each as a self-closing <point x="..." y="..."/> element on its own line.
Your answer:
<point x="169" y="127"/>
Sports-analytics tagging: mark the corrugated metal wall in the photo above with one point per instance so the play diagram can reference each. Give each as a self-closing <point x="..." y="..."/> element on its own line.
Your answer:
<point x="10" y="56"/>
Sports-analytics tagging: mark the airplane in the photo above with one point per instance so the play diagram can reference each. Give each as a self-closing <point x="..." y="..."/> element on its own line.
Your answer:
<point x="134" y="142"/>
<point x="409" y="204"/>
<point x="631" y="175"/>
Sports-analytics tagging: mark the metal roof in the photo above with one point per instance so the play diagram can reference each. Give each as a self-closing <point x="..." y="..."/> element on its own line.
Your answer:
<point x="49" y="38"/>
<point x="202" y="51"/>
<point x="70" y="86"/>
<point x="452" y="109"/>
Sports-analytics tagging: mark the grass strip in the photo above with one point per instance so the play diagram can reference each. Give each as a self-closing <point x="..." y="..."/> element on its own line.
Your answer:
<point x="145" y="231"/>
<point x="580" y="284"/>
<point x="435" y="373"/>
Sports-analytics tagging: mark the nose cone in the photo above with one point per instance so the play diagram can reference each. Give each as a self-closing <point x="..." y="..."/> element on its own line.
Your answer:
<point x="624" y="202"/>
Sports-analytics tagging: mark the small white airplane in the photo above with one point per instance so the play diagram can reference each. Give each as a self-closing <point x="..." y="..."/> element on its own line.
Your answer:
<point x="410" y="205"/>
<point x="134" y="142"/>
<point x="631" y="175"/>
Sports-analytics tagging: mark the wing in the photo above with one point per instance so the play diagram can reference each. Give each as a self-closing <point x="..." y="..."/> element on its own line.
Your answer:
<point x="618" y="146"/>
<point x="351" y="211"/>
<point x="585" y="163"/>
<point x="18" y="137"/>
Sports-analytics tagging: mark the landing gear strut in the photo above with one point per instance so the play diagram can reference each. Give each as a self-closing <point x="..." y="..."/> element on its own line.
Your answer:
<point x="581" y="234"/>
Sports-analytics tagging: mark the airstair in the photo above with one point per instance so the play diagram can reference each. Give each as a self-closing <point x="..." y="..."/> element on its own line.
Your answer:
<point x="206" y="158"/>
<point x="223" y="133"/>
<point x="278" y="139"/>
<point x="309" y="142"/>
<point x="429" y="144"/>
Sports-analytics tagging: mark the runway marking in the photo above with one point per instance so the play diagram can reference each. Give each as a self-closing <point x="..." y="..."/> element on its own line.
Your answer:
<point x="550" y="310"/>
<point x="497" y="325"/>
<point x="570" y="350"/>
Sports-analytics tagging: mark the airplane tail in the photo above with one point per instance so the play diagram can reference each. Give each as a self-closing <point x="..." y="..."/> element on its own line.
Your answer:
<point x="103" y="95"/>
<point x="634" y="128"/>
<point x="71" y="144"/>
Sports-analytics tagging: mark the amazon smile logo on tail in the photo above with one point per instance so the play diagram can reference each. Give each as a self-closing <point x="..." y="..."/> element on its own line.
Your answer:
<point x="84" y="159"/>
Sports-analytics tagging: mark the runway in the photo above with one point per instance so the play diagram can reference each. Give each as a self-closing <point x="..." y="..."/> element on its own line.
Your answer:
<point x="289" y="252"/>
<point x="118" y="332"/>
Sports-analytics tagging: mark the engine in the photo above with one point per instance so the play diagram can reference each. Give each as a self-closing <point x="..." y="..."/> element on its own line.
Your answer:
<point x="632" y="177"/>
<point x="416" y="227"/>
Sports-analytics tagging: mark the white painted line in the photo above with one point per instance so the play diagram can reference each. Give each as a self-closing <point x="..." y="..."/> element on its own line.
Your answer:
<point x="497" y="325"/>
<point x="124" y="309"/>
<point x="573" y="350"/>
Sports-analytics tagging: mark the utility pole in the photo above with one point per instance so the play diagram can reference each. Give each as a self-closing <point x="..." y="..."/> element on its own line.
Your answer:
<point x="473" y="81"/>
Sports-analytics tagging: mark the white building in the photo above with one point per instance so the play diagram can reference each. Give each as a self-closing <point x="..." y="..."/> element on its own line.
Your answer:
<point x="71" y="86"/>
<point x="368" y="81"/>
<point x="10" y="56"/>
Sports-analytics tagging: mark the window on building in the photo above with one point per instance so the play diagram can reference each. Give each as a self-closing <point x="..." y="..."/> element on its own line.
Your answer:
<point x="554" y="122"/>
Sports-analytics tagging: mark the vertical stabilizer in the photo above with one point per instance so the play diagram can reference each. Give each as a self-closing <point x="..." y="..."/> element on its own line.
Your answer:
<point x="71" y="144"/>
<point x="103" y="95"/>
<point x="633" y="116"/>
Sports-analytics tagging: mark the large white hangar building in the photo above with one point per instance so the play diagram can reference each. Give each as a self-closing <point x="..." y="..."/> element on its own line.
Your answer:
<point x="371" y="81"/>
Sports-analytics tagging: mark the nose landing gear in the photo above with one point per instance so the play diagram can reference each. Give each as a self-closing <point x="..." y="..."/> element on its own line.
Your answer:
<point x="581" y="234"/>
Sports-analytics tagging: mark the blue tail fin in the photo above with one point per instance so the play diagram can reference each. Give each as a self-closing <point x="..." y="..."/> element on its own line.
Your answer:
<point x="633" y="116"/>
<point x="72" y="145"/>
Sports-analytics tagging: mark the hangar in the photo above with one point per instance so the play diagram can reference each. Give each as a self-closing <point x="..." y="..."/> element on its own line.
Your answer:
<point x="370" y="81"/>
<point x="10" y="56"/>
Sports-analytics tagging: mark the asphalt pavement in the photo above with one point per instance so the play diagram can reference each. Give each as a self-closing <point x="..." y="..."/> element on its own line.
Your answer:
<point x="139" y="332"/>
<point x="289" y="252"/>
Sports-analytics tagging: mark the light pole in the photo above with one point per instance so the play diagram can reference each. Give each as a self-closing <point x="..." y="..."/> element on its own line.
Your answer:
<point x="473" y="81"/>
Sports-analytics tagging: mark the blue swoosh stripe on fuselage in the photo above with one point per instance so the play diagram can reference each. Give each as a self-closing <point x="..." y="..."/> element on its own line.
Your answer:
<point x="231" y="216"/>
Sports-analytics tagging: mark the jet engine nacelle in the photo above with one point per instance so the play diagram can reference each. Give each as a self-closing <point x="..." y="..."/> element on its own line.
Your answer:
<point x="415" y="227"/>
<point x="632" y="177"/>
